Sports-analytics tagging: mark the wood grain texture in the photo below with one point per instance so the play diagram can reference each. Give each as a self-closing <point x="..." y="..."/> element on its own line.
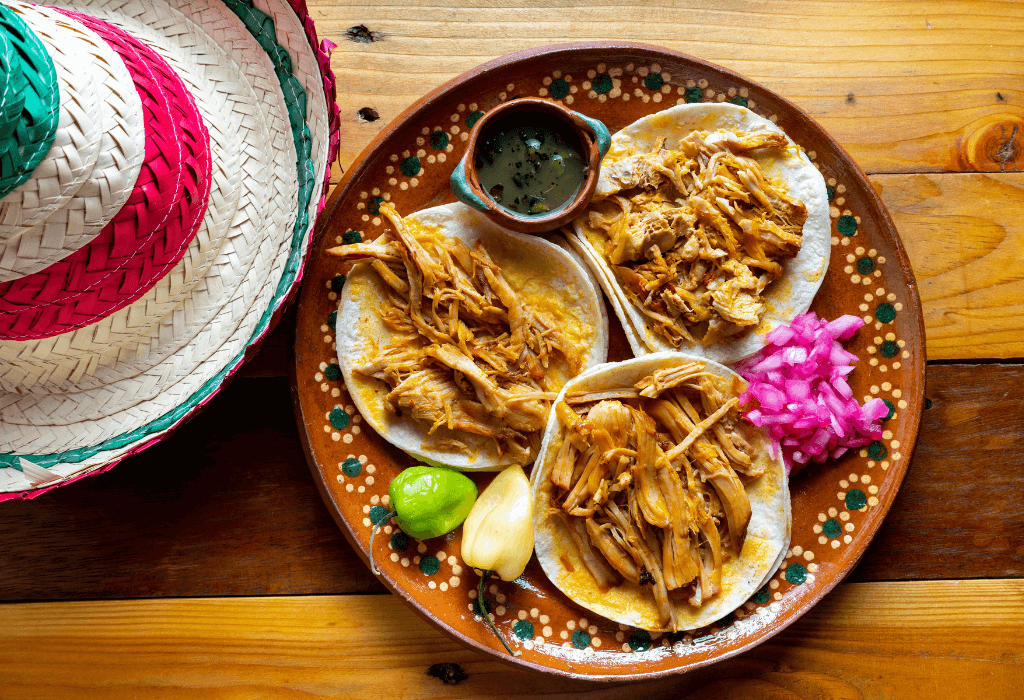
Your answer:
<point x="965" y="238"/>
<point x="227" y="506"/>
<point x="954" y="639"/>
<point x="959" y="503"/>
<point x="903" y="86"/>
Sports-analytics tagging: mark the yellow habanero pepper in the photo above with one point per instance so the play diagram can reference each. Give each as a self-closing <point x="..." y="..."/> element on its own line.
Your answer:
<point x="497" y="536"/>
<point x="498" y="533"/>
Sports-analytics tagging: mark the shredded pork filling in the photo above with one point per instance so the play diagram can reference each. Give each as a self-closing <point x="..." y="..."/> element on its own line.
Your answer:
<point x="696" y="233"/>
<point x="470" y="354"/>
<point x="650" y="484"/>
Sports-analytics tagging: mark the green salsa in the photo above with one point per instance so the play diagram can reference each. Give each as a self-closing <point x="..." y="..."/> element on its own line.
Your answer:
<point x="530" y="170"/>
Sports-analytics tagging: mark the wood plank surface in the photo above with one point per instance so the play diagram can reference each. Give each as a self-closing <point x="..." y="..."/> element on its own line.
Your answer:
<point x="903" y="86"/>
<point x="227" y="506"/>
<point x="959" y="503"/>
<point x="965" y="238"/>
<point x="951" y="639"/>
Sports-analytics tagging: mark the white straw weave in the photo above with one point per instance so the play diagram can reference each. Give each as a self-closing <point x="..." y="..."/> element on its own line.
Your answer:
<point x="75" y="209"/>
<point x="76" y="147"/>
<point x="215" y="321"/>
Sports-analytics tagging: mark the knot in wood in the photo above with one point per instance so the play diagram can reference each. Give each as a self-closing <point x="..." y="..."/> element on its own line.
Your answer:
<point x="996" y="145"/>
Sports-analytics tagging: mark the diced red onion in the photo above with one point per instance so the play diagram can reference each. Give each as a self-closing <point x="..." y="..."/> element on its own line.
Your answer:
<point x="803" y="398"/>
<point x="781" y="335"/>
<point x="794" y="356"/>
<point x="844" y="327"/>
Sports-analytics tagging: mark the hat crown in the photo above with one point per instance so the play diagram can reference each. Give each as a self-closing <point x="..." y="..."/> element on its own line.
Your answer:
<point x="29" y="101"/>
<point x="94" y="160"/>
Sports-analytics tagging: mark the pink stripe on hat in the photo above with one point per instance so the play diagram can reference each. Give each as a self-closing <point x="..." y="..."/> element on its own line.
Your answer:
<point x="149" y="235"/>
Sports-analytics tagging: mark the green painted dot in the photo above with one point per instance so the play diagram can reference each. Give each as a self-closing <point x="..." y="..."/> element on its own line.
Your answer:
<point x="439" y="140"/>
<point x="559" y="88"/>
<point x="430" y="565"/>
<point x="865" y="265"/>
<point x="379" y="515"/>
<point x="830" y="191"/>
<point x="653" y="81"/>
<point x="472" y="118"/>
<point x="876" y="450"/>
<point x="351" y="237"/>
<point x="602" y="84"/>
<point x="580" y="639"/>
<point x="891" y="407"/>
<point x="337" y="283"/>
<point x="846" y="225"/>
<point x="727" y="620"/>
<point x="885" y="313"/>
<point x="640" y="640"/>
<point x="796" y="574"/>
<point x="855" y="500"/>
<point x="351" y="467"/>
<point x="339" y="419"/>
<point x="693" y="94"/>
<point x="400" y="541"/>
<point x="332" y="372"/>
<point x="374" y="205"/>
<point x="832" y="528"/>
<point x="762" y="596"/>
<point x="411" y="166"/>
<point x="523" y="629"/>
<point x="890" y="348"/>
<point x="739" y="100"/>
<point x="927" y="404"/>
<point x="332" y="320"/>
<point x="674" y="637"/>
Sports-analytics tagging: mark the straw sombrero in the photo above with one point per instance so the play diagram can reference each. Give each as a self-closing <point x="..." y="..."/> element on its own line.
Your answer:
<point x="187" y="162"/>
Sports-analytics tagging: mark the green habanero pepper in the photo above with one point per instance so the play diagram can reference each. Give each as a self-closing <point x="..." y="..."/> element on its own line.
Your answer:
<point x="427" y="502"/>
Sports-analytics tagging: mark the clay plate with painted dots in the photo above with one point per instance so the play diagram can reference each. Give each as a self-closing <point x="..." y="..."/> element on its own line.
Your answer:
<point x="837" y="507"/>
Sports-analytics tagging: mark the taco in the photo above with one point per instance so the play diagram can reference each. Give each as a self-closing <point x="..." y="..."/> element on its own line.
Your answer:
<point x="709" y="228"/>
<point x="655" y="504"/>
<point x="455" y="335"/>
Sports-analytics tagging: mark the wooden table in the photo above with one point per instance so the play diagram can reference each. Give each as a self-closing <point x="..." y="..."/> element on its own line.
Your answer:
<point x="208" y="567"/>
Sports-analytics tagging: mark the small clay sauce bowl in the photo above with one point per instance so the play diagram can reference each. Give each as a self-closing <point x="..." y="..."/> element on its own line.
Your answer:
<point x="594" y="140"/>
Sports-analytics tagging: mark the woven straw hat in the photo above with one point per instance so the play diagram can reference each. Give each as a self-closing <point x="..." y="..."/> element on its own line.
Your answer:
<point x="114" y="342"/>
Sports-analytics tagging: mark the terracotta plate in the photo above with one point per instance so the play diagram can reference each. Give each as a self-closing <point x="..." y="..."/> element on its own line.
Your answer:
<point x="837" y="507"/>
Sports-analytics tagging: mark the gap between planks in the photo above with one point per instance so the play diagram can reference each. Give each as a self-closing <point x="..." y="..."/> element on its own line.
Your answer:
<point x="926" y="639"/>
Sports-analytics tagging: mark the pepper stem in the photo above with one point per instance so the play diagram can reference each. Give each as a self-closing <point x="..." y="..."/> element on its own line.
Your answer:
<point x="487" y="617"/>
<point x="379" y="524"/>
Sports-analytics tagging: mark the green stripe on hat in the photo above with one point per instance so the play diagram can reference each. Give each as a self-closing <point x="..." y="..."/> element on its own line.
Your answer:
<point x="29" y="101"/>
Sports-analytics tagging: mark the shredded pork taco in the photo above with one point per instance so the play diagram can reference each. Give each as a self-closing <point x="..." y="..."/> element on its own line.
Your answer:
<point x="455" y="335"/>
<point x="709" y="227"/>
<point x="655" y="504"/>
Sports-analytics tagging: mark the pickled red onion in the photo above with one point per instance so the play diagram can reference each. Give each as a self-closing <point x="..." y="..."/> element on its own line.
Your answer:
<point x="803" y="399"/>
